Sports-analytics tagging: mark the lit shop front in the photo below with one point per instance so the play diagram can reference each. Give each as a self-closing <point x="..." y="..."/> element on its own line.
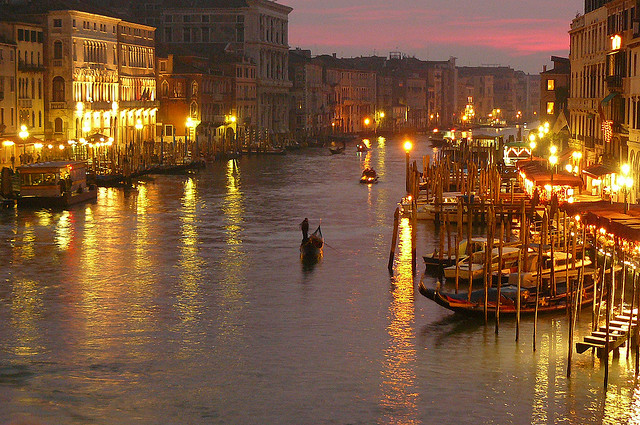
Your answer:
<point x="535" y="175"/>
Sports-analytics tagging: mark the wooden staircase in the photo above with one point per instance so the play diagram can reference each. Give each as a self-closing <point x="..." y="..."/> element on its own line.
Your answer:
<point x="619" y="332"/>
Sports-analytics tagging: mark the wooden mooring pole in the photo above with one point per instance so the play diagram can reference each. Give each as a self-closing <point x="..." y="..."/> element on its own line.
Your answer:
<point x="394" y="239"/>
<point x="607" y="324"/>
<point x="500" y="246"/>
<point x="636" y="330"/>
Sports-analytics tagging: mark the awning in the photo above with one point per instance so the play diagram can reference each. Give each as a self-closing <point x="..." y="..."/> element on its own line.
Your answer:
<point x="609" y="97"/>
<point x="598" y="170"/>
<point x="97" y="137"/>
<point x="19" y="141"/>
<point x="537" y="172"/>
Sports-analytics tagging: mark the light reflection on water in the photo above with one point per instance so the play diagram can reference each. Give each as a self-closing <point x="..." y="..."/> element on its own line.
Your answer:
<point x="398" y="376"/>
<point x="188" y="293"/>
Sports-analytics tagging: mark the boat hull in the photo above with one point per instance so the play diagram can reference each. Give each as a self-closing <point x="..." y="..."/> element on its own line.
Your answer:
<point x="459" y="303"/>
<point x="62" y="201"/>
<point x="368" y="180"/>
<point x="311" y="248"/>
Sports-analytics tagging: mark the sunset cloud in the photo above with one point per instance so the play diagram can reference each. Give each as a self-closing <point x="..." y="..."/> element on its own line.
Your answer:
<point x="524" y="41"/>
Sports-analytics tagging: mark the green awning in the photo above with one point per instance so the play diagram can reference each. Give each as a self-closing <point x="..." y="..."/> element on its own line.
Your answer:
<point x="609" y="97"/>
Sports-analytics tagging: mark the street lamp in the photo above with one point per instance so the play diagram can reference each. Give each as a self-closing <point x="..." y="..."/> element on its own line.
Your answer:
<point x="626" y="183"/>
<point x="79" y="119"/>
<point x="532" y="144"/>
<point x="24" y="134"/>
<point x="553" y="159"/>
<point x="138" y="128"/>
<point x="577" y="156"/>
<point x="232" y="121"/>
<point x="188" y="126"/>
<point x="407" y="149"/>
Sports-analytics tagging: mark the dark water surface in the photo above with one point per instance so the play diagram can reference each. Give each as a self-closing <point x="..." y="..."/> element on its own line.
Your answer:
<point x="185" y="302"/>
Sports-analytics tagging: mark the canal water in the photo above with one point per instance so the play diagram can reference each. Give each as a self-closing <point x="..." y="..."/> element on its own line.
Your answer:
<point x="185" y="302"/>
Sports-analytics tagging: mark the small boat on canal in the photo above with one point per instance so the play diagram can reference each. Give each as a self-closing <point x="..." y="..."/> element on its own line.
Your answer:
<point x="311" y="248"/>
<point x="369" y="176"/>
<point x="56" y="184"/>
<point x="335" y="149"/>
<point x="363" y="146"/>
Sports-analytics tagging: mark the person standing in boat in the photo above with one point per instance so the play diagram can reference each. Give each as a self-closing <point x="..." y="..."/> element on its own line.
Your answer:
<point x="305" y="229"/>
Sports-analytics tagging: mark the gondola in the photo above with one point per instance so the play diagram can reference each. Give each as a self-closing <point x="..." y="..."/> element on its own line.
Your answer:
<point x="362" y="146"/>
<point x="369" y="176"/>
<point x="311" y="248"/>
<point x="460" y="303"/>
<point x="336" y="150"/>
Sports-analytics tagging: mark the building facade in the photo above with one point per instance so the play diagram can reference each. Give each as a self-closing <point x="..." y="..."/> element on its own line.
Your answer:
<point x="554" y="89"/>
<point x="8" y="102"/>
<point x="255" y="29"/>
<point x="29" y="40"/>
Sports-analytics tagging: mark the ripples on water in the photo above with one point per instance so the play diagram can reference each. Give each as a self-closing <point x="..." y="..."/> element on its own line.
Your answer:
<point x="184" y="301"/>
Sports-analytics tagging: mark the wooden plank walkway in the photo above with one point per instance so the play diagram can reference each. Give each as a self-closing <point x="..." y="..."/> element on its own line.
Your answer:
<point x="619" y="333"/>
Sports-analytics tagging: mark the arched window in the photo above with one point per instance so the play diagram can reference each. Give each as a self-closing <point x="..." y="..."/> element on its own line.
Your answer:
<point x="57" y="49"/>
<point x="165" y="89"/>
<point x="58" y="89"/>
<point x="57" y="125"/>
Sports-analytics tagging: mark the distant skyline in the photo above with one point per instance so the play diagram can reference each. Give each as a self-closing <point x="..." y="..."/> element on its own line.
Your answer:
<point x="523" y="36"/>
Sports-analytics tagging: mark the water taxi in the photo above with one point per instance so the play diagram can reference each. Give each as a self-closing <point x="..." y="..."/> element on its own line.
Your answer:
<point x="54" y="184"/>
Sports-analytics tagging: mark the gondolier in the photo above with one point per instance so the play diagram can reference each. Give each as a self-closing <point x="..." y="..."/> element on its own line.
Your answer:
<point x="305" y="229"/>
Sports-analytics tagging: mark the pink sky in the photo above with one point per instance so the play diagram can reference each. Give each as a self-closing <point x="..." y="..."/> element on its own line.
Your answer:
<point x="523" y="35"/>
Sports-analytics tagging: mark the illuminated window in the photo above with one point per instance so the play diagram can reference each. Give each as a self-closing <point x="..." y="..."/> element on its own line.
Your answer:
<point x="616" y="42"/>
<point x="550" y="108"/>
<point x="551" y="85"/>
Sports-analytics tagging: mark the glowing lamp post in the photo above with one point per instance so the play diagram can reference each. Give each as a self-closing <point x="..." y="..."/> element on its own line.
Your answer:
<point x="532" y="145"/>
<point x="553" y="160"/>
<point x="188" y="125"/>
<point x="24" y="135"/>
<point x="626" y="183"/>
<point x="378" y="118"/>
<point x="407" y="149"/>
<point x="577" y="157"/>
<point x="234" y="120"/>
<point x="138" y="127"/>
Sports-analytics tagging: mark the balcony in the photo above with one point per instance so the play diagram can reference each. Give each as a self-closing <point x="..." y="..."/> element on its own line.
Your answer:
<point x="30" y="67"/>
<point x="57" y="105"/>
<point x="25" y="103"/>
<point x="57" y="62"/>
<point x="131" y="104"/>
<point x="614" y="82"/>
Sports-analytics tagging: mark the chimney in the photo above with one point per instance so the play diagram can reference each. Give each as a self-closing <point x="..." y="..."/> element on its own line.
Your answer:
<point x="544" y="68"/>
<point x="333" y="54"/>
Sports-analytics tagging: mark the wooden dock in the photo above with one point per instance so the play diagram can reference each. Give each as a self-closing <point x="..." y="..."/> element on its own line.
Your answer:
<point x="620" y="329"/>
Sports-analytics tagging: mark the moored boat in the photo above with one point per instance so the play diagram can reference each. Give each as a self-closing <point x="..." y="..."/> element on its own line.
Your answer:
<point x="474" y="304"/>
<point x="54" y="184"/>
<point x="434" y="261"/>
<point x="510" y="255"/>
